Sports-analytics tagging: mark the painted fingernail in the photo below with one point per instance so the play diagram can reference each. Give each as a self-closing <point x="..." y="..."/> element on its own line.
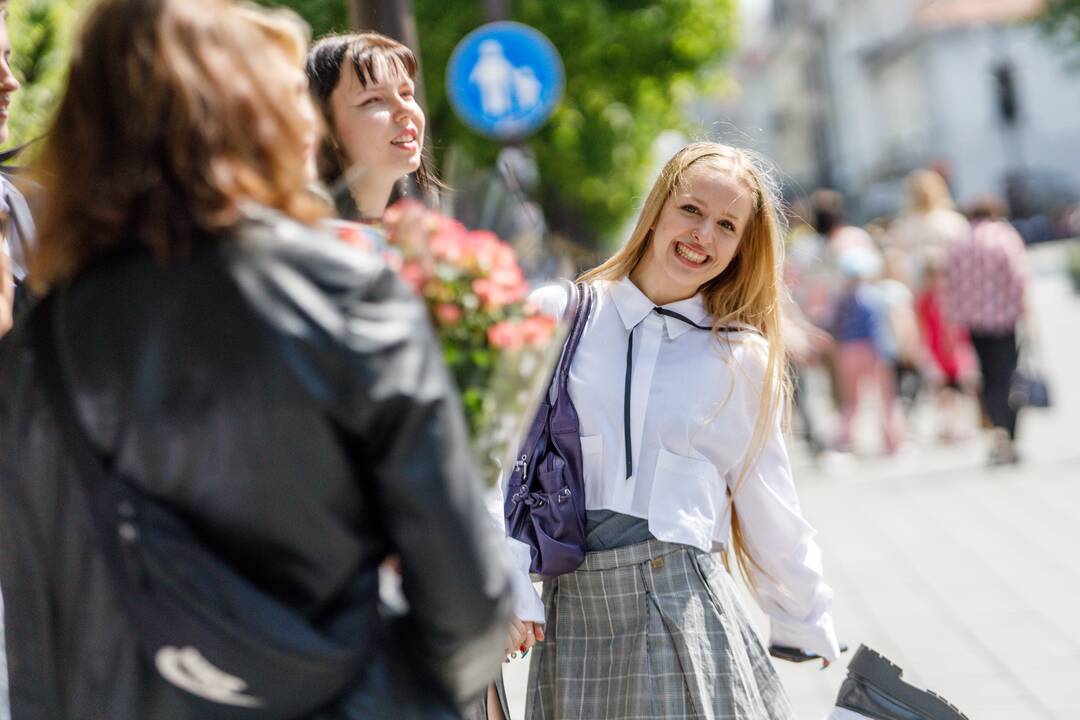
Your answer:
<point x="521" y="648"/>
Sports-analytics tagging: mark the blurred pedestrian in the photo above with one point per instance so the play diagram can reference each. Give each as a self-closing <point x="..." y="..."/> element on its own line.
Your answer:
<point x="677" y="384"/>
<point x="952" y="361"/>
<point x="809" y="276"/>
<point x="895" y="286"/>
<point x="835" y="236"/>
<point x="830" y="222"/>
<point x="279" y="396"/>
<point x="805" y="345"/>
<point x="985" y="292"/>
<point x="809" y="267"/>
<point x="866" y="348"/>
<point x="365" y="86"/>
<point x="929" y="223"/>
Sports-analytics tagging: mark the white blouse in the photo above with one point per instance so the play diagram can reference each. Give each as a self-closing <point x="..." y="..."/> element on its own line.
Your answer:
<point x="694" y="401"/>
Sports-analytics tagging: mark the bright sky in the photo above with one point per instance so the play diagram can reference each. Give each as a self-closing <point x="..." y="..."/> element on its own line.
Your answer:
<point x="754" y="7"/>
<point x="753" y="14"/>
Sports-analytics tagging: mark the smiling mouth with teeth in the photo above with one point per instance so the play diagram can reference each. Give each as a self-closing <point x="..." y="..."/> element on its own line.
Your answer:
<point x="688" y="254"/>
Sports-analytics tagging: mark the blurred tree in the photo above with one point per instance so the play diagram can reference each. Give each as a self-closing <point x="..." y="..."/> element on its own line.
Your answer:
<point x="1061" y="19"/>
<point x="40" y="33"/>
<point x="631" y="65"/>
<point x="324" y="16"/>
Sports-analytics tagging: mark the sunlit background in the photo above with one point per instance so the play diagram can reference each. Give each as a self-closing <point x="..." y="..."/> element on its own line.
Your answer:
<point x="965" y="575"/>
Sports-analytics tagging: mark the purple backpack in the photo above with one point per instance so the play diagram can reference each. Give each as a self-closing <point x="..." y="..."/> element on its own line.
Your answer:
<point x="545" y="497"/>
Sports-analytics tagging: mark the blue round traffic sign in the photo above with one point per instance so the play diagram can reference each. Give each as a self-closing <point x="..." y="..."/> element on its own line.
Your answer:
<point x="504" y="80"/>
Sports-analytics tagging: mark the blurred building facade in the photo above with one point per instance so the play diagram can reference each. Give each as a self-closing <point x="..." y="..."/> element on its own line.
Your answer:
<point x="853" y="94"/>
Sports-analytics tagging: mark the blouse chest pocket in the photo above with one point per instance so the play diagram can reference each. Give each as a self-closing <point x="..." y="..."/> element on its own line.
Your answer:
<point x="687" y="498"/>
<point x="592" y="457"/>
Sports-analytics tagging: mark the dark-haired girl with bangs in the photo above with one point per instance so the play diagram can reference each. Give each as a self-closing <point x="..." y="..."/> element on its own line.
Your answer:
<point x="365" y="86"/>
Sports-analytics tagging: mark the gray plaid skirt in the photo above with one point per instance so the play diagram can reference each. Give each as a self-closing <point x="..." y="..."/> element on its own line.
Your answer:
<point x="653" y="630"/>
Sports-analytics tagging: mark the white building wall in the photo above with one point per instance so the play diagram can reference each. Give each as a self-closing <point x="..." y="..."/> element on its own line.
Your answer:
<point x="1050" y="103"/>
<point x="773" y="111"/>
<point x="978" y="147"/>
<point x="854" y="125"/>
<point x="899" y="97"/>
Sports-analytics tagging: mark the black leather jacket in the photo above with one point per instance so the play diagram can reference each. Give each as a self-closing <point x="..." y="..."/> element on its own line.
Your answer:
<point x="286" y="393"/>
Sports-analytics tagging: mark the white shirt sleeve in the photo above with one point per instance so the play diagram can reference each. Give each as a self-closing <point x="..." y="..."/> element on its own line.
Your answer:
<point x="527" y="603"/>
<point x="551" y="299"/>
<point x="788" y="577"/>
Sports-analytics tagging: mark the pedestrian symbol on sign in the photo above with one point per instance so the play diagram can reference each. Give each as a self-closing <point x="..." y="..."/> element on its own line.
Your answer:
<point x="503" y="87"/>
<point x="504" y="80"/>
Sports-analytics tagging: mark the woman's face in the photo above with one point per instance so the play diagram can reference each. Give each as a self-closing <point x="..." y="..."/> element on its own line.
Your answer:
<point x="696" y="234"/>
<point x="380" y="128"/>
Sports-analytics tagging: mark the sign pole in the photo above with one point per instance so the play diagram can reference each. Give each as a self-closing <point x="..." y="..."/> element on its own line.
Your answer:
<point x="496" y="9"/>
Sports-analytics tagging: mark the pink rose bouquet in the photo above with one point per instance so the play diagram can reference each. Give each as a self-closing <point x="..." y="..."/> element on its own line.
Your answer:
<point x="499" y="349"/>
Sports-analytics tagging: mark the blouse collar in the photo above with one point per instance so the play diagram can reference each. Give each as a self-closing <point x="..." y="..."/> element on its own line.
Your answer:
<point x="634" y="306"/>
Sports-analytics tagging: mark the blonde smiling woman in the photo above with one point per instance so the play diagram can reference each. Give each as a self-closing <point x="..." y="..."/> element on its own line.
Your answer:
<point x="677" y="383"/>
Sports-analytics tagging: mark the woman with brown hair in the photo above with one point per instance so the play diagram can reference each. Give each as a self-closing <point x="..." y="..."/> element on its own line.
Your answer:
<point x="275" y="393"/>
<point x="365" y="86"/>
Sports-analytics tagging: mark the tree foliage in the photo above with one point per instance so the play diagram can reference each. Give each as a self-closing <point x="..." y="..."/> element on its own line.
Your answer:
<point x="324" y="16"/>
<point x="1061" y="19"/>
<point x="40" y="33"/>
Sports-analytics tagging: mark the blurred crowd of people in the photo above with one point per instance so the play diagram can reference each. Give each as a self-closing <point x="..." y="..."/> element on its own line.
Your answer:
<point x="927" y="306"/>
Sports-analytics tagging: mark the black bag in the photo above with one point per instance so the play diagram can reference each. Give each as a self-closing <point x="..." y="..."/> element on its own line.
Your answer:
<point x="236" y="652"/>
<point x="544" y="504"/>
<point x="1028" y="389"/>
<point x="1028" y="386"/>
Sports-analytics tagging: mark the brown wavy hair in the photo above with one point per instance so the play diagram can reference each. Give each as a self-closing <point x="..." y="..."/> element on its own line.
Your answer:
<point x="172" y="120"/>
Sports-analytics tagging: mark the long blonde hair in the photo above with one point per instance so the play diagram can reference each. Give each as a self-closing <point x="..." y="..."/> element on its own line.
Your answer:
<point x="747" y="291"/>
<point x="927" y="191"/>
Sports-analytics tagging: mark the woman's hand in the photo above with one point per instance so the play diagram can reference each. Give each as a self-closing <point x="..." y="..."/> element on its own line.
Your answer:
<point x="522" y="636"/>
